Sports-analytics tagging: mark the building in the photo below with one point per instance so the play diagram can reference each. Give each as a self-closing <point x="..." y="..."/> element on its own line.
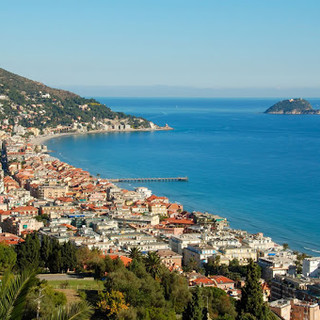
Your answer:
<point x="285" y="287"/>
<point x="223" y="283"/>
<point x="179" y="242"/>
<point x="170" y="258"/>
<point x="17" y="225"/>
<point x="311" y="267"/>
<point x="272" y="266"/>
<point x="304" y="310"/>
<point x="295" y="309"/>
<point x="282" y="308"/>
<point x="26" y="211"/>
<point x="51" y="192"/>
<point x="243" y="254"/>
<point x="199" y="253"/>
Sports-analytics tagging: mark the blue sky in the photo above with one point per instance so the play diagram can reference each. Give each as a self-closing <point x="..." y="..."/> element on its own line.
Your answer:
<point x="204" y="46"/>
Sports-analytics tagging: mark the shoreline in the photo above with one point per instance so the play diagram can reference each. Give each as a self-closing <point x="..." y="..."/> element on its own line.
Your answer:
<point x="41" y="139"/>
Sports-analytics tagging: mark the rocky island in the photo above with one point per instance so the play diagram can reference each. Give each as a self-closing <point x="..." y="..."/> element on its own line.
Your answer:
<point x="292" y="106"/>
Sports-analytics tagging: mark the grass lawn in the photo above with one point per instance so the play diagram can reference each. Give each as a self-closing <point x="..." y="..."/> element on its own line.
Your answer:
<point x="77" y="284"/>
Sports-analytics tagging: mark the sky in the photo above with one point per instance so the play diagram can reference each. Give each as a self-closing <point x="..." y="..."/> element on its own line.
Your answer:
<point x="165" y="48"/>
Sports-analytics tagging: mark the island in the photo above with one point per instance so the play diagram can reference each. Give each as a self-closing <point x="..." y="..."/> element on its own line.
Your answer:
<point x="292" y="106"/>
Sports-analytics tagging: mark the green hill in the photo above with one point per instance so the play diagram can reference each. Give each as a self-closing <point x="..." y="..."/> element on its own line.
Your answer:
<point x="33" y="104"/>
<point x="292" y="106"/>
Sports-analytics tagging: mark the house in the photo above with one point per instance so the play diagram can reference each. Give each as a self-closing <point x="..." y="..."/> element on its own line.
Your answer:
<point x="243" y="254"/>
<point x="10" y="239"/>
<point x="27" y="211"/>
<point x="199" y="253"/>
<point x="4" y="215"/>
<point x="202" y="282"/>
<point x="125" y="260"/>
<point x="311" y="267"/>
<point x="170" y="258"/>
<point x="223" y="283"/>
<point x="179" y="242"/>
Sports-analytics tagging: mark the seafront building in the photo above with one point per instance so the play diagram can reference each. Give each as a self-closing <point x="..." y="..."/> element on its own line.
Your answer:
<point x="41" y="193"/>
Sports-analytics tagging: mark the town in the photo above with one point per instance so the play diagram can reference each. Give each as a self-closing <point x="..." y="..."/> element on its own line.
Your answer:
<point x="39" y="193"/>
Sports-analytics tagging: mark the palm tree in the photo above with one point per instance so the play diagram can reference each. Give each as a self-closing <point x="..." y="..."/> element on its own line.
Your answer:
<point x="75" y="311"/>
<point x="153" y="264"/>
<point x="13" y="292"/>
<point x="135" y="253"/>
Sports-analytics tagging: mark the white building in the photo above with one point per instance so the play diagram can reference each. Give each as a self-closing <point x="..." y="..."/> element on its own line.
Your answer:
<point x="145" y="192"/>
<point x="311" y="267"/>
<point x="179" y="242"/>
<point x="199" y="253"/>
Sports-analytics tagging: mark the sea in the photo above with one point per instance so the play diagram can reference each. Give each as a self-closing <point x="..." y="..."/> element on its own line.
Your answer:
<point x="260" y="171"/>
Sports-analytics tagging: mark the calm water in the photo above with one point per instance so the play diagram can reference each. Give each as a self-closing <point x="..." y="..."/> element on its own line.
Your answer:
<point x="260" y="171"/>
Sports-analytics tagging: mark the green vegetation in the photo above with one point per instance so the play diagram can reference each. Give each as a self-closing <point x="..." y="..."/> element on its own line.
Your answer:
<point x="144" y="289"/>
<point x="32" y="104"/>
<point x="251" y="305"/>
<point x="299" y="261"/>
<point x="8" y="257"/>
<point x="49" y="254"/>
<point x="233" y="271"/>
<point x="77" y="284"/>
<point x="292" y="106"/>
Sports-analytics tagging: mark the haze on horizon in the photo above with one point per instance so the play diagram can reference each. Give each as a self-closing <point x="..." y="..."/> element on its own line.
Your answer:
<point x="181" y="48"/>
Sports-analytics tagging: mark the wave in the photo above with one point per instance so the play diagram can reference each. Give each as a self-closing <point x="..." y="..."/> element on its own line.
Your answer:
<point x="313" y="250"/>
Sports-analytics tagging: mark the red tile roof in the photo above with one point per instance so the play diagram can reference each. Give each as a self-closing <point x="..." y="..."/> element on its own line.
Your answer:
<point x="126" y="261"/>
<point x="221" y="279"/>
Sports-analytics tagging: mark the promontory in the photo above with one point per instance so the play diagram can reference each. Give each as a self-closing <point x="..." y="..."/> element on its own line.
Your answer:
<point x="292" y="106"/>
<point x="30" y="108"/>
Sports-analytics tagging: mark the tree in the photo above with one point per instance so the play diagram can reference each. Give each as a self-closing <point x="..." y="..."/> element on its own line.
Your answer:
<point x="13" y="292"/>
<point x="8" y="257"/>
<point x="175" y="289"/>
<point x="285" y="246"/>
<point x="74" y="311"/>
<point x="153" y="264"/>
<point x="219" y="304"/>
<point x="135" y="253"/>
<point x="55" y="261"/>
<point x="28" y="252"/>
<point x="44" y="297"/>
<point x="194" y="309"/>
<point x="252" y="296"/>
<point x="45" y="250"/>
<point x="68" y="253"/>
<point x="86" y="258"/>
<point x="112" y="302"/>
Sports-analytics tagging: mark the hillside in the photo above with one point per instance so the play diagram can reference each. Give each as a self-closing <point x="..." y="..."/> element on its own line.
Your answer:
<point x="32" y="104"/>
<point x="292" y="106"/>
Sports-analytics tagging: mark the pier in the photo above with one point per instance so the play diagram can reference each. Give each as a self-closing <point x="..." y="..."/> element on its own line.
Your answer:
<point x="149" y="179"/>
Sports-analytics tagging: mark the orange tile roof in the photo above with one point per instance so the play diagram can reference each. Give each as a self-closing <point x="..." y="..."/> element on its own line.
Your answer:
<point x="203" y="281"/>
<point x="179" y="221"/>
<point x="221" y="279"/>
<point x="126" y="261"/>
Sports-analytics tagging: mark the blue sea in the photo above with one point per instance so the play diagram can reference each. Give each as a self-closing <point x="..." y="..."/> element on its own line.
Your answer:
<point x="260" y="171"/>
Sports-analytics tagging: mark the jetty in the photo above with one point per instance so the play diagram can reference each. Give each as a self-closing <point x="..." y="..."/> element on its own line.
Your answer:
<point x="149" y="179"/>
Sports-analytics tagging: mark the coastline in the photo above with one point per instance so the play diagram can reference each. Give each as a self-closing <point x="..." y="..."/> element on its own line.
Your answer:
<point x="41" y="139"/>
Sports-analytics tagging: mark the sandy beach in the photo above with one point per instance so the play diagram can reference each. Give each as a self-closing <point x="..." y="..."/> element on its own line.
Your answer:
<point x="43" y="138"/>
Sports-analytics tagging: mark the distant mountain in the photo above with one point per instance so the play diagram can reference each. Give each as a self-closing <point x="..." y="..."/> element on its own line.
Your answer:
<point x="292" y="106"/>
<point x="32" y="104"/>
